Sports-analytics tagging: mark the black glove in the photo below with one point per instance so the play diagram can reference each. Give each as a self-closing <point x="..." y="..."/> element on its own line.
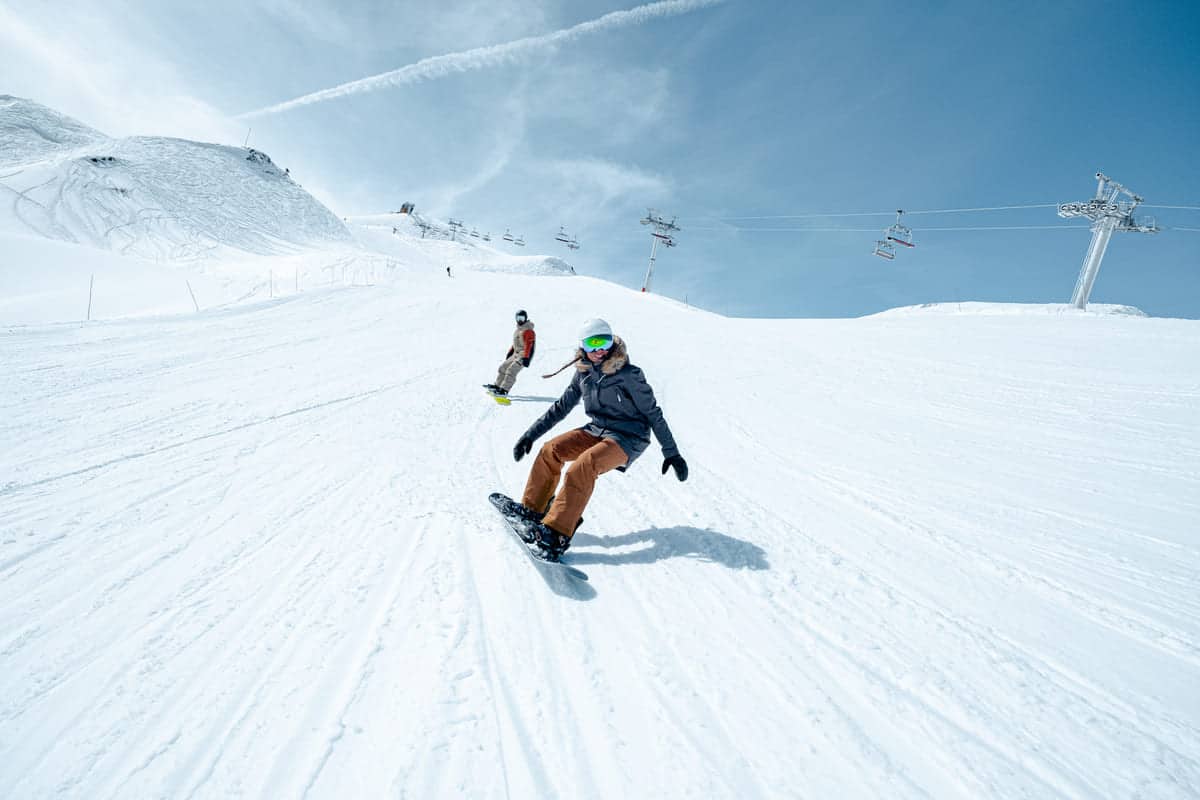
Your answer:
<point x="525" y="444"/>
<point x="524" y="362"/>
<point x="678" y="464"/>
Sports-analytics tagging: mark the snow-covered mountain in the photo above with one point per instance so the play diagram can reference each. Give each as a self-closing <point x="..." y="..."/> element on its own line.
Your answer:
<point x="153" y="197"/>
<point x="940" y="552"/>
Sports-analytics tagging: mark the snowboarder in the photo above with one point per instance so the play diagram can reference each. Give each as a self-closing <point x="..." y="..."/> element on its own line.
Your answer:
<point x="448" y="275"/>
<point x="519" y="356"/>
<point x="623" y="411"/>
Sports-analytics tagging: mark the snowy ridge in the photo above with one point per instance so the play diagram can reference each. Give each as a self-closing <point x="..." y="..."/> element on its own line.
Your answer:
<point x="152" y="197"/>
<point x="32" y="132"/>
<point x="400" y="235"/>
<point x="1011" y="309"/>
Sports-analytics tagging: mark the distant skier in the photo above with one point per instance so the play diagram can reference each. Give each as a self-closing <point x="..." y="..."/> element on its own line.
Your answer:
<point x="623" y="411"/>
<point x="519" y="355"/>
<point x="448" y="275"/>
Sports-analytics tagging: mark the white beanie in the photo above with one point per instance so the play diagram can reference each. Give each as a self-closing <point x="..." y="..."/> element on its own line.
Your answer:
<point x="594" y="327"/>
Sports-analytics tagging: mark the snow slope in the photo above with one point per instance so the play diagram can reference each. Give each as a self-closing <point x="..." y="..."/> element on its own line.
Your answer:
<point x="153" y="197"/>
<point x="247" y="552"/>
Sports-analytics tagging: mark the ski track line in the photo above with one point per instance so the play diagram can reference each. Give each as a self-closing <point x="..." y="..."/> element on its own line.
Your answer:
<point x="166" y="625"/>
<point x="262" y="542"/>
<point x="823" y="642"/>
<point x="169" y="643"/>
<point x="506" y="715"/>
<point x="1033" y="664"/>
<point x="10" y="489"/>
<point x="448" y="574"/>
<point x="317" y="570"/>
<point x="660" y="502"/>
<point x="1126" y="621"/>
<point x="354" y="690"/>
<point x="1123" y="620"/>
<point x="782" y="524"/>
<point x="135" y="427"/>
<point x="884" y="774"/>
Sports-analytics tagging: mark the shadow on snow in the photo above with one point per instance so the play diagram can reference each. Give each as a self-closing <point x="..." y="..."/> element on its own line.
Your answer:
<point x="681" y="542"/>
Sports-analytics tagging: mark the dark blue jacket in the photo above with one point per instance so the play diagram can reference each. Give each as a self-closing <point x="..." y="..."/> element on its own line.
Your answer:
<point x="619" y="401"/>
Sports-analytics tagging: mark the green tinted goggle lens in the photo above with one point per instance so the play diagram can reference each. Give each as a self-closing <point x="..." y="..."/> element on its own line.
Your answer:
<point x="597" y="343"/>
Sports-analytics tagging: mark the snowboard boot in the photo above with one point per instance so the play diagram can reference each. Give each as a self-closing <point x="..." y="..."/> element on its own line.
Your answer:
<point x="553" y="543"/>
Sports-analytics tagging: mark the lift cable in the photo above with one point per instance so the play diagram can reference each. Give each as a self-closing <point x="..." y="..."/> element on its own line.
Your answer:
<point x="889" y="213"/>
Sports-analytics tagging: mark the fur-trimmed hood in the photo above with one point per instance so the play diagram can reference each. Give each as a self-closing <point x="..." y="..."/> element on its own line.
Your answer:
<point x="617" y="358"/>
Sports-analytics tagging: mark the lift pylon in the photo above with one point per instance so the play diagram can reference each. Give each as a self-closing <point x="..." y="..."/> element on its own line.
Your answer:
<point x="1108" y="213"/>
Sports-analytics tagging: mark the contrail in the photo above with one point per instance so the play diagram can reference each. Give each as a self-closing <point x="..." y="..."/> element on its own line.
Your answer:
<point x="439" y="66"/>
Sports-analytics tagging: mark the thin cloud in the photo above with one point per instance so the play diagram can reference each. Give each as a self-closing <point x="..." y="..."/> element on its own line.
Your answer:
<point x="481" y="57"/>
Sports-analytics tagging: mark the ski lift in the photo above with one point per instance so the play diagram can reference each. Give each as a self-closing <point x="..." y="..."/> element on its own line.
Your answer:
<point x="562" y="235"/>
<point x="487" y="237"/>
<point x="573" y="244"/>
<point x="519" y="242"/>
<point x="885" y="249"/>
<point x="475" y="232"/>
<point x="508" y="237"/>
<point x="900" y="234"/>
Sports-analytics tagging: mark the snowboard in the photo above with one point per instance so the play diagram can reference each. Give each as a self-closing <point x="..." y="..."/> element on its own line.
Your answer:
<point x="521" y="529"/>
<point x="499" y="398"/>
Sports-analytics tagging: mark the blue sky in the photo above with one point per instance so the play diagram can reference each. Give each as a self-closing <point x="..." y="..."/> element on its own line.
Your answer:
<point x="718" y="113"/>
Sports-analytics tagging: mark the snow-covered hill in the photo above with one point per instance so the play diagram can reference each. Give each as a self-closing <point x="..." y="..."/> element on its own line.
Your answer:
<point x="152" y="197"/>
<point x="416" y="240"/>
<point x="31" y="132"/>
<point x="247" y="552"/>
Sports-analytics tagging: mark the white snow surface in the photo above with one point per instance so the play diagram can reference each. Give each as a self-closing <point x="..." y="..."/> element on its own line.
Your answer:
<point x="247" y="551"/>
<point x="154" y="197"/>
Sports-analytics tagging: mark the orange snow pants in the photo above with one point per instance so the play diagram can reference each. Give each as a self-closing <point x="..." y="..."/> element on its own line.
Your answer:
<point x="592" y="457"/>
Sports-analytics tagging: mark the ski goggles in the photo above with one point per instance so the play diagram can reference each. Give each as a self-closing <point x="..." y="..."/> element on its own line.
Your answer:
<point x="593" y="343"/>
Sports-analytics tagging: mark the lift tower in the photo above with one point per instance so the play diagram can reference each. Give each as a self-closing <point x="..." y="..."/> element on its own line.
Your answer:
<point x="1108" y="213"/>
<point x="662" y="233"/>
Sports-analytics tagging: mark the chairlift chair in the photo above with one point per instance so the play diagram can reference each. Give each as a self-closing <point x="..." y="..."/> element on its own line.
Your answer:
<point x="573" y="244"/>
<point x="508" y="237"/>
<point x="475" y="232"/>
<point x="562" y="235"/>
<point x="487" y="237"/>
<point x="519" y="242"/>
<point x="885" y="249"/>
<point x="900" y="234"/>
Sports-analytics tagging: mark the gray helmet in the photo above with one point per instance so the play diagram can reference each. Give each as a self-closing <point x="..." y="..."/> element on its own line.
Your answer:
<point x="595" y="327"/>
<point x="522" y="317"/>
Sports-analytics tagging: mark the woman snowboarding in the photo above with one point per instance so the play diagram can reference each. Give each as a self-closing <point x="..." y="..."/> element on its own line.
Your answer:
<point x="623" y="412"/>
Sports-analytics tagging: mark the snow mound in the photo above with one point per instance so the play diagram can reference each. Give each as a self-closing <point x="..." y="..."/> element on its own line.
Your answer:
<point x="1011" y="309"/>
<point x="153" y="197"/>
<point x="32" y="132"/>
<point x="421" y="242"/>
<point x="525" y="265"/>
